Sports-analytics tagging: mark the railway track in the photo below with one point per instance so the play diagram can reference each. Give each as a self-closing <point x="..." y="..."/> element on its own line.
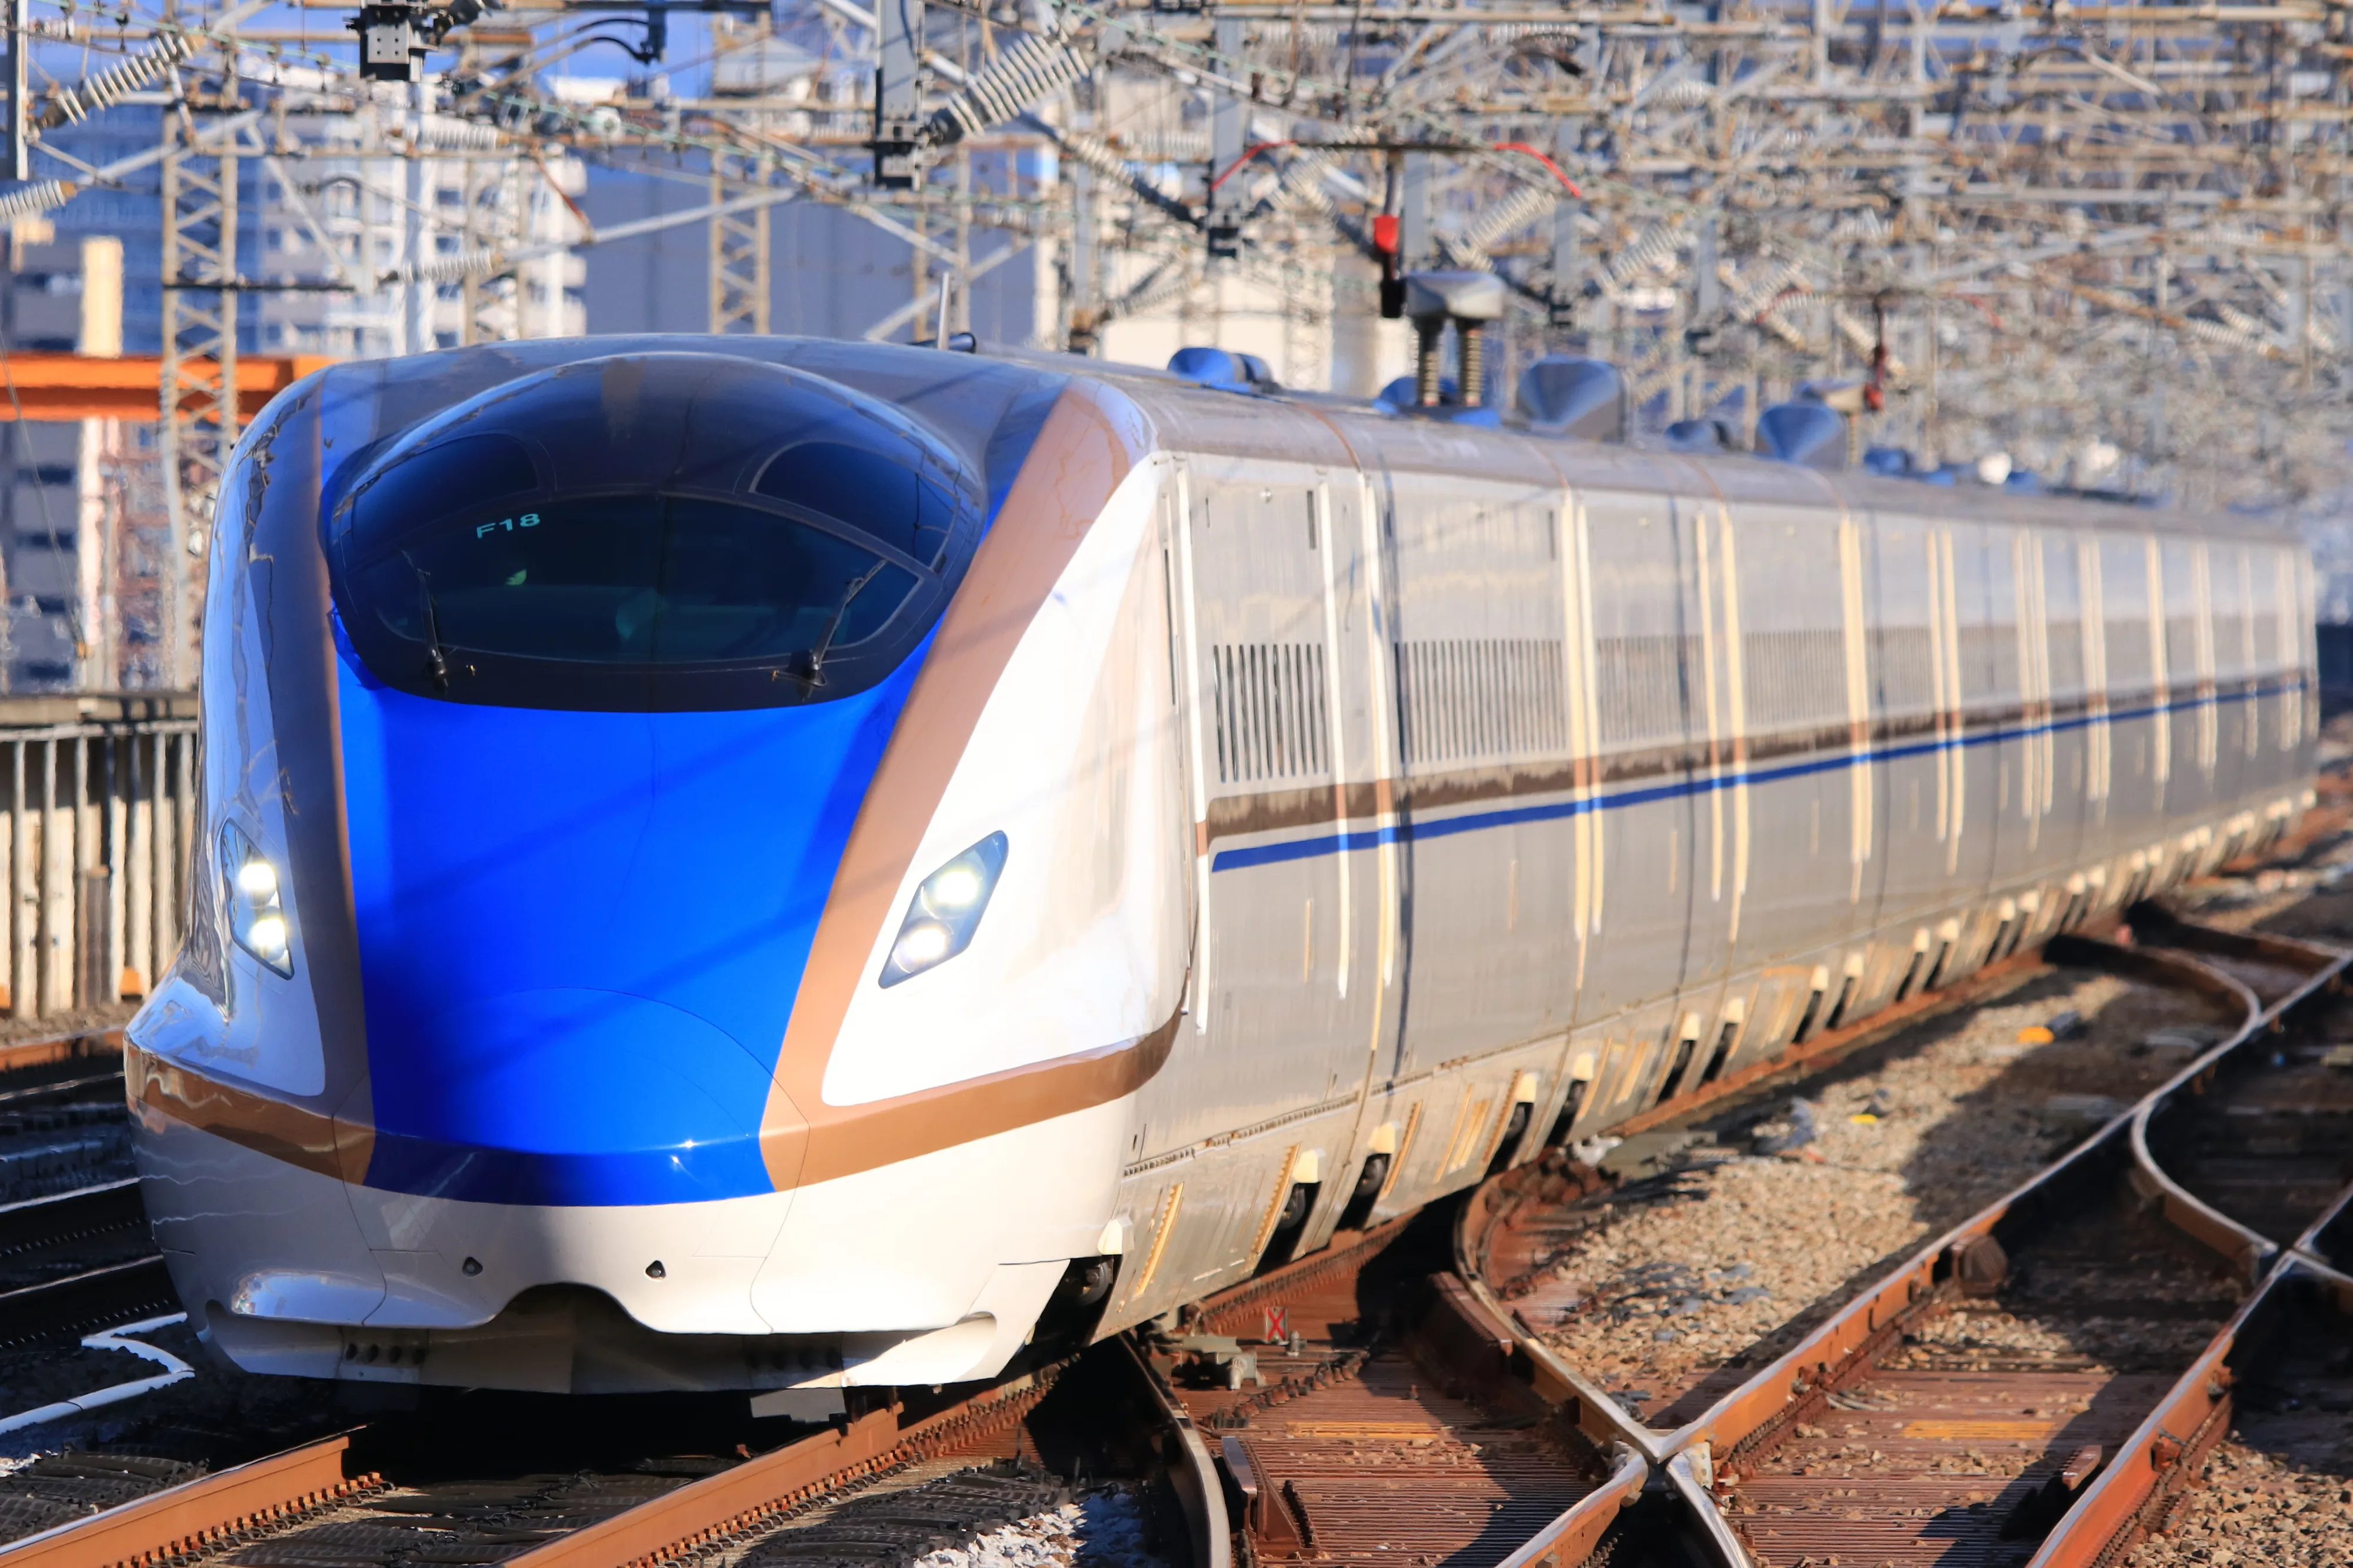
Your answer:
<point x="2036" y="1381"/>
<point x="61" y="1115"/>
<point x="1365" y="1412"/>
<point x="76" y="1262"/>
<point x="2028" y="1388"/>
<point x="656" y="1483"/>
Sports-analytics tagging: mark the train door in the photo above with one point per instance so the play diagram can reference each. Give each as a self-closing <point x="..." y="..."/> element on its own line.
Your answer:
<point x="1480" y="663"/>
<point x="2231" y="615"/>
<point x="1914" y="727"/>
<point x="1635" y="860"/>
<point x="1998" y="674"/>
<point x="1280" y="999"/>
<point x="2133" y="735"/>
<point x="1808" y="853"/>
<point x="1372" y="862"/>
<point x="2275" y="718"/>
<point x="2062" y="719"/>
<point x="2188" y="681"/>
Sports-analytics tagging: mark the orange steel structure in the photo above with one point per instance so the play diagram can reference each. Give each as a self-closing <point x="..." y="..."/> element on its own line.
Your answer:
<point x="52" y="385"/>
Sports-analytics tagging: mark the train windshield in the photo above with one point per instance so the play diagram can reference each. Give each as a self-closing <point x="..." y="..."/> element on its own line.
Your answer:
<point x="679" y="550"/>
<point x="640" y="580"/>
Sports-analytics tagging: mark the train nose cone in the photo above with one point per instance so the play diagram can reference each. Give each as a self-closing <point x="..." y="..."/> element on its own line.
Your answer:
<point x="569" y="1096"/>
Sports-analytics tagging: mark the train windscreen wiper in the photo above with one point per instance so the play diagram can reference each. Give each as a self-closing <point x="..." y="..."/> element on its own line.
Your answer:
<point x="814" y="676"/>
<point x="436" y="661"/>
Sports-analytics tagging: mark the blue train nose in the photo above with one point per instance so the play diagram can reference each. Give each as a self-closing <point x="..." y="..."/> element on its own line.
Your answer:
<point x="569" y="1096"/>
<point x="621" y="643"/>
<point x="580" y="935"/>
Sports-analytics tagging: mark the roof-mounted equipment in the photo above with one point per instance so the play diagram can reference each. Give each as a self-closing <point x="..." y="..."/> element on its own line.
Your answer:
<point x="1809" y="434"/>
<point x="1470" y="301"/>
<point x="1571" y="395"/>
<point x="1223" y="369"/>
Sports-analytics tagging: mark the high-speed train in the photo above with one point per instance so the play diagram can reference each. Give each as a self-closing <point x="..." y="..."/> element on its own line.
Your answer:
<point x="778" y="865"/>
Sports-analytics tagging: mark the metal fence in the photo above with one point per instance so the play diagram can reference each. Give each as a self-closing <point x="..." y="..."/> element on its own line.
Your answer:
<point x="100" y="794"/>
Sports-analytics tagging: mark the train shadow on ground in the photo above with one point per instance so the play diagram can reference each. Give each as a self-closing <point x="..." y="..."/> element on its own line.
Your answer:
<point x="2045" y="1099"/>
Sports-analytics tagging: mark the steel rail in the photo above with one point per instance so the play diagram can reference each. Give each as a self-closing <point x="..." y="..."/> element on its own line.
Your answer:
<point x="1481" y="1213"/>
<point x="764" y="1489"/>
<point x="2251" y="1251"/>
<point x="2196" y="1410"/>
<point x="105" y="1297"/>
<point x="2328" y="1242"/>
<point x="57" y="1087"/>
<point x="187" y="1518"/>
<point x="1192" y="1473"/>
<point x="1401" y="1412"/>
<point x="1684" y="1459"/>
<point x="1849" y="1341"/>
<point x="746" y="1502"/>
<point x="2132" y="1491"/>
<point x="36" y="1225"/>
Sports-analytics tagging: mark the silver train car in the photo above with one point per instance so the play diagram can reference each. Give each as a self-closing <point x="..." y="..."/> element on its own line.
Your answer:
<point x="790" y="866"/>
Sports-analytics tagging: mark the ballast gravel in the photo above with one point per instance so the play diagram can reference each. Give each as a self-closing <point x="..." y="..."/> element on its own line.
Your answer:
<point x="1732" y="1257"/>
<point x="1100" y="1530"/>
<point x="2256" y="1508"/>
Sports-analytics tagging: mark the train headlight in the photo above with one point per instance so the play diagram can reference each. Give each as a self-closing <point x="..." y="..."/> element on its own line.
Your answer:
<point x="947" y="906"/>
<point x="257" y="915"/>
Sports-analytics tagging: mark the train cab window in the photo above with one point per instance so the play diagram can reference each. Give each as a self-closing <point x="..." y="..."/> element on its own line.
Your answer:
<point x="884" y="490"/>
<point x="649" y="580"/>
<point x="651" y="531"/>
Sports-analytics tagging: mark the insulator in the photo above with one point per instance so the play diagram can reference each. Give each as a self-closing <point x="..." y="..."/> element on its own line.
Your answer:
<point x="1167" y="146"/>
<point x="1866" y="224"/>
<point x="478" y="262"/>
<point x="31" y="201"/>
<point x="1104" y="160"/>
<point x="1022" y="75"/>
<point x="1302" y="184"/>
<point x="1655" y="244"/>
<point x="1759" y="292"/>
<point x="2222" y="333"/>
<point x="449" y="131"/>
<point x="142" y="71"/>
<point x="1170" y="281"/>
<point x="1513" y="213"/>
<point x="1096" y="154"/>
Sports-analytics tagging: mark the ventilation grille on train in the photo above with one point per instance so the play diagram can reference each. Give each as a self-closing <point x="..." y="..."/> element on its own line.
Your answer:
<point x="1481" y="696"/>
<point x="2125" y="644"/>
<point x="1989" y="663"/>
<point x="2181" y="651"/>
<point x="1272" y="721"/>
<point x="1794" y="677"/>
<point x="2064" y="640"/>
<point x="2229" y="643"/>
<point x="1638" y="680"/>
<point x="1904" y="662"/>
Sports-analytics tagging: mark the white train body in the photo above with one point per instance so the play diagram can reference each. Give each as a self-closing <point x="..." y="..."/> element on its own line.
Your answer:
<point x="1372" y="793"/>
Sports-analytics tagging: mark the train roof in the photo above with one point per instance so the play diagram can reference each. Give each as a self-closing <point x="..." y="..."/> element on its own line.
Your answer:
<point x="988" y="402"/>
<point x="1191" y="416"/>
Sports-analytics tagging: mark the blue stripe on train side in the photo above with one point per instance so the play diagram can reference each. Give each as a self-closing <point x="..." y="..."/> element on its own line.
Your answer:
<point x="1345" y="840"/>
